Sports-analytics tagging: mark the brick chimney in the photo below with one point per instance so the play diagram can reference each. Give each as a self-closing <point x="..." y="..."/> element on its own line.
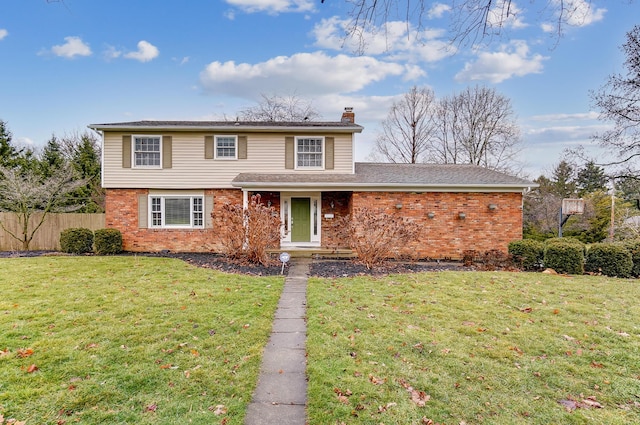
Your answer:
<point x="348" y="115"/>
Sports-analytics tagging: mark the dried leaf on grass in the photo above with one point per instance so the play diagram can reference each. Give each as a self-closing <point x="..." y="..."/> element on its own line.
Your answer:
<point x="25" y="352"/>
<point x="420" y="398"/>
<point x="219" y="409"/>
<point x="586" y="403"/>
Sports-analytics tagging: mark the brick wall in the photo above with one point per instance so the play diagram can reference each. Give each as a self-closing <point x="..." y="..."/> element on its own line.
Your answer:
<point x="122" y="214"/>
<point x="446" y="235"/>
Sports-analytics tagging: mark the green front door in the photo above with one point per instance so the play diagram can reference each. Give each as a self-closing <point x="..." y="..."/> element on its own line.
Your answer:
<point x="300" y="220"/>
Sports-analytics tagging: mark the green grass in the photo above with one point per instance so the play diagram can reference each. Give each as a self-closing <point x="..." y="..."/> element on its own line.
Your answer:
<point x="486" y="348"/>
<point x="124" y="340"/>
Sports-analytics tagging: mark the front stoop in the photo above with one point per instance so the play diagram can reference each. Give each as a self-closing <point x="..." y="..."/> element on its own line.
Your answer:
<point x="280" y="396"/>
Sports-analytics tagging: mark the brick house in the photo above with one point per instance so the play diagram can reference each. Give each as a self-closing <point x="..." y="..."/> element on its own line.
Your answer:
<point x="166" y="183"/>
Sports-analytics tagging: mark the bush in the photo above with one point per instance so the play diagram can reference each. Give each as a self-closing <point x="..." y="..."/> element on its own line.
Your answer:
<point x="76" y="241"/>
<point x="107" y="241"/>
<point x="527" y="253"/>
<point x="610" y="259"/>
<point x="249" y="233"/>
<point x="375" y="235"/>
<point x="633" y="246"/>
<point x="564" y="257"/>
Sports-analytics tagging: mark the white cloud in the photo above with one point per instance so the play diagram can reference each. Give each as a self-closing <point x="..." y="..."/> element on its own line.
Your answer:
<point x="306" y="74"/>
<point x="505" y="14"/>
<point x="567" y="117"/>
<point x="73" y="47"/>
<point x="394" y="38"/>
<point x="3" y="33"/>
<point x="181" y="61"/>
<point x="438" y="10"/>
<point x="110" y="53"/>
<point x="575" y="13"/>
<point x="513" y="60"/>
<point x="146" y="52"/>
<point x="273" y="6"/>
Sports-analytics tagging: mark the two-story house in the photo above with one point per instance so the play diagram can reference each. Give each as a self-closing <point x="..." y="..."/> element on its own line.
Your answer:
<point x="166" y="183"/>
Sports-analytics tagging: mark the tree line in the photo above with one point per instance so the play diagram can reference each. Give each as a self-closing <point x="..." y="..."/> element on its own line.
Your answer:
<point x="63" y="176"/>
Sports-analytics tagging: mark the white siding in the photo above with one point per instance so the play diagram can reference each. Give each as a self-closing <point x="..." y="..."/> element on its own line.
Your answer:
<point x="190" y="169"/>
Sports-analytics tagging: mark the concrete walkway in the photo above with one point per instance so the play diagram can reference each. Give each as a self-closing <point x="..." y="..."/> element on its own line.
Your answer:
<point x="281" y="394"/>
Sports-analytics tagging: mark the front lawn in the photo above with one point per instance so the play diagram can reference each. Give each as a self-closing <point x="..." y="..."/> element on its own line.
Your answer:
<point x="124" y="340"/>
<point x="474" y="348"/>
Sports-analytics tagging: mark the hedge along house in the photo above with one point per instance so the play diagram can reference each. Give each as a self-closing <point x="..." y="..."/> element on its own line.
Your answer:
<point x="166" y="183"/>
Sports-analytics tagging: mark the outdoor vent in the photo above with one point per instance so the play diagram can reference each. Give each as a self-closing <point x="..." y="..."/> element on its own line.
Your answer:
<point x="431" y="214"/>
<point x="493" y="207"/>
<point x="398" y="206"/>
<point x="462" y="215"/>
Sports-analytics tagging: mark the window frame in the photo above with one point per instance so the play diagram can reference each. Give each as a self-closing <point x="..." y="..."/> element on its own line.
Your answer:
<point x="215" y="147"/>
<point x="296" y="153"/>
<point x="196" y="212"/>
<point x="134" y="163"/>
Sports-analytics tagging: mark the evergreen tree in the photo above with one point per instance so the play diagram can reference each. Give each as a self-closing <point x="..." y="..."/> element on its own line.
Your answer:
<point x="8" y="152"/>
<point x="591" y="178"/>
<point x="52" y="158"/>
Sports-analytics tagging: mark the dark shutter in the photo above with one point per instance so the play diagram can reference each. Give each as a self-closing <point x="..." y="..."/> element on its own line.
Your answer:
<point x="126" y="151"/>
<point x="166" y="151"/>
<point x="289" y="153"/>
<point x="208" y="147"/>
<point x="329" y="148"/>
<point x="208" y="210"/>
<point x="143" y="211"/>
<point x="242" y="147"/>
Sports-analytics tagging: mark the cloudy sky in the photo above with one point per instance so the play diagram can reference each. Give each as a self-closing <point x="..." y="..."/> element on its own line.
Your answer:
<point x="67" y="64"/>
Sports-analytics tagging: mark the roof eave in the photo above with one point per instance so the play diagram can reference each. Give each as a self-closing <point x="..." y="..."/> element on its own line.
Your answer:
<point x="385" y="187"/>
<point x="231" y="127"/>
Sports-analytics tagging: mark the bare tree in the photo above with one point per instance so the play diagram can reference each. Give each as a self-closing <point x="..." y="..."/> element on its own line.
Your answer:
<point x="619" y="103"/>
<point x="408" y="128"/>
<point x="477" y="126"/>
<point x="25" y="193"/>
<point x="471" y="21"/>
<point x="280" y="108"/>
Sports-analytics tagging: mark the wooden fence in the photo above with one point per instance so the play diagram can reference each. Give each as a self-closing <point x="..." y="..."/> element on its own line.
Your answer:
<point x="48" y="236"/>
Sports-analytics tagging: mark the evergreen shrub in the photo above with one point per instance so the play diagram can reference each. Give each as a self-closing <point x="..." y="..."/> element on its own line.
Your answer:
<point x="564" y="257"/>
<point x="527" y="253"/>
<point x="610" y="259"/>
<point x="107" y="242"/>
<point x="76" y="240"/>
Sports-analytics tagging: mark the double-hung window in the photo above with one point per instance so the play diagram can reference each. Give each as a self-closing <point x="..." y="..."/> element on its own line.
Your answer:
<point x="177" y="211"/>
<point x="226" y="147"/>
<point x="147" y="151"/>
<point x="309" y="152"/>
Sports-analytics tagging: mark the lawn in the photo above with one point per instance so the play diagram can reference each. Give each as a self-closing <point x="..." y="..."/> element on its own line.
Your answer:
<point x="124" y="340"/>
<point x="474" y="348"/>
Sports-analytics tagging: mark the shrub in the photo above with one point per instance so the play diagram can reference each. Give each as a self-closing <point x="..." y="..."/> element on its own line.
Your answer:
<point x="374" y="234"/>
<point x="527" y="253"/>
<point x="610" y="259"/>
<point x="76" y="241"/>
<point x="633" y="246"/>
<point x="248" y="233"/>
<point x="107" y="241"/>
<point x="564" y="257"/>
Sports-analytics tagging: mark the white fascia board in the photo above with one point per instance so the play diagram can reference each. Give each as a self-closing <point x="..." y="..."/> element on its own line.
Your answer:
<point x="227" y="128"/>
<point x="373" y="187"/>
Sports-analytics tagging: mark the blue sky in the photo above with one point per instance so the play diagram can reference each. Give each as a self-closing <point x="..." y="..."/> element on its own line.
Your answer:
<point x="67" y="64"/>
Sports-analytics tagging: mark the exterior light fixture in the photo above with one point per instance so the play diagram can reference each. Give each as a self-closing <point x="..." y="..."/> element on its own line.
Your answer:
<point x="332" y="205"/>
<point x="398" y="206"/>
<point x="462" y="215"/>
<point x="493" y="207"/>
<point x="431" y="214"/>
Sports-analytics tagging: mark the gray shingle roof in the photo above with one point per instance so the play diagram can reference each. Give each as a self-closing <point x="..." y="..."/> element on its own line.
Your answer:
<point x="227" y="125"/>
<point x="371" y="176"/>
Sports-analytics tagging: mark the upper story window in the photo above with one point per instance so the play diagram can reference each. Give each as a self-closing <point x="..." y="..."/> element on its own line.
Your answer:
<point x="177" y="211"/>
<point x="147" y="151"/>
<point x="310" y="152"/>
<point x="226" y="147"/>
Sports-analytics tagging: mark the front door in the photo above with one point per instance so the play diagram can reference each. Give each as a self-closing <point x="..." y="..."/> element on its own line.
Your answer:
<point x="300" y="220"/>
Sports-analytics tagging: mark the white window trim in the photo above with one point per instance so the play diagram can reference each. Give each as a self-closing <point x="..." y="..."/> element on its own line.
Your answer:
<point x="163" y="197"/>
<point x="295" y="158"/>
<point x="133" y="151"/>
<point x="215" y="148"/>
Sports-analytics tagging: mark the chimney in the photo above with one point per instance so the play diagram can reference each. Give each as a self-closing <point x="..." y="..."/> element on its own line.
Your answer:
<point x="348" y="115"/>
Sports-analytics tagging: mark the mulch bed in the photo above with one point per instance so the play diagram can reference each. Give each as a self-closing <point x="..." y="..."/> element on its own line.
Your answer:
<point x="320" y="268"/>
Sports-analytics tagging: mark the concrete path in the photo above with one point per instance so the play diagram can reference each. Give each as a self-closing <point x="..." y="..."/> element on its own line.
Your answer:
<point x="281" y="394"/>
